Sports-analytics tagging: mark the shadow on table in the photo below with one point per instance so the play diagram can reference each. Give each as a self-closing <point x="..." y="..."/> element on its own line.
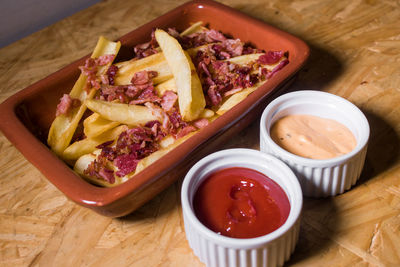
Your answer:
<point x="161" y="205"/>
<point x="383" y="148"/>
<point x="317" y="231"/>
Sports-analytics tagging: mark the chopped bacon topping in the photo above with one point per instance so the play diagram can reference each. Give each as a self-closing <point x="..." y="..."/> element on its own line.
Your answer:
<point x="131" y="146"/>
<point x="219" y="79"/>
<point x="90" y="70"/>
<point x="186" y="130"/>
<point x="224" y="78"/>
<point x="271" y="57"/>
<point x="98" y="168"/>
<point x="147" y="49"/>
<point x="140" y="91"/>
<point x="111" y="72"/>
<point x="201" y="123"/>
<point x="168" y="100"/>
<point x="66" y="104"/>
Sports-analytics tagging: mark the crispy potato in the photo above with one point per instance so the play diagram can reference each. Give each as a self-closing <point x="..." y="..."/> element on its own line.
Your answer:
<point x="207" y="113"/>
<point x="195" y="27"/>
<point x="63" y="127"/>
<point x="167" y="141"/>
<point x="88" y="145"/>
<point x="232" y="100"/>
<point x="123" y="113"/>
<point x="190" y="93"/>
<point x="165" y="86"/>
<point x="95" y="125"/>
<point x="246" y="59"/>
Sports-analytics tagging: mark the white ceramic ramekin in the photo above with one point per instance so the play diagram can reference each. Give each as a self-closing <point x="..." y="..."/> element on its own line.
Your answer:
<point x="319" y="178"/>
<point x="217" y="250"/>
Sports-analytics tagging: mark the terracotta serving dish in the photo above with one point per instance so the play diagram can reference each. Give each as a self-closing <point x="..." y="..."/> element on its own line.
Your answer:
<point x="25" y="117"/>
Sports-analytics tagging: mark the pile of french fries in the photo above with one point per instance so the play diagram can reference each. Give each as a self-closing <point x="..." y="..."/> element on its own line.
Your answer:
<point x="108" y="120"/>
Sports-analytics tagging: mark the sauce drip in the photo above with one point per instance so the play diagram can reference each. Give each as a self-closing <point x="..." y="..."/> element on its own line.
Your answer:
<point x="241" y="203"/>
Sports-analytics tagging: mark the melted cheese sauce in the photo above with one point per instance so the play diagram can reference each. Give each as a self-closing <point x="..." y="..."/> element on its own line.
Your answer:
<point x="312" y="137"/>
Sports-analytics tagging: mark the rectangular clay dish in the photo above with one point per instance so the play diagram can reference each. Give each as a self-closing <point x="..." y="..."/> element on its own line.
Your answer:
<point x="25" y="117"/>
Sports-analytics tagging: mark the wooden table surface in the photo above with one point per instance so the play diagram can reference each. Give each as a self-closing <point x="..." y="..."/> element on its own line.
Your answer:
<point x="355" y="53"/>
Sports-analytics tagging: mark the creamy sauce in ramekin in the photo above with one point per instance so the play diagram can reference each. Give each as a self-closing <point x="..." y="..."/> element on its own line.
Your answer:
<point x="312" y="137"/>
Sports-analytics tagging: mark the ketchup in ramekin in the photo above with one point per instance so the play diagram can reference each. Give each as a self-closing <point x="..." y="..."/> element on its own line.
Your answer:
<point x="241" y="203"/>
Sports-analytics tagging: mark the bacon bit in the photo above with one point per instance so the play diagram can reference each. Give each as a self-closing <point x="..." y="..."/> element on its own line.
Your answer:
<point x="271" y="57"/>
<point x="173" y="32"/>
<point x="168" y="100"/>
<point x="156" y="110"/>
<point x="126" y="164"/>
<point x="146" y="49"/>
<point x="147" y="95"/>
<point x="184" y="131"/>
<point x="105" y="144"/>
<point x="213" y="35"/>
<point x="233" y="91"/>
<point x="214" y="95"/>
<point x="281" y="64"/>
<point x="107" y="175"/>
<point x="143" y="77"/>
<point x="98" y="169"/>
<point x="201" y="123"/>
<point x="66" y="104"/>
<point x="111" y="72"/>
<point x="156" y="130"/>
<point x="233" y="47"/>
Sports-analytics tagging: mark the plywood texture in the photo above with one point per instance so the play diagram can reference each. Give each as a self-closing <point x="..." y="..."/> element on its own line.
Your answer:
<point x="355" y="53"/>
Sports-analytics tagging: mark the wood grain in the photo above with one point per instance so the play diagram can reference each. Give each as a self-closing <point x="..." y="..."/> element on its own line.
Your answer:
<point x="355" y="53"/>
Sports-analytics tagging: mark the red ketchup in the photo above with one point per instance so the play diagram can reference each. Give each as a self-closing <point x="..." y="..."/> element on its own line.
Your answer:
<point x="241" y="203"/>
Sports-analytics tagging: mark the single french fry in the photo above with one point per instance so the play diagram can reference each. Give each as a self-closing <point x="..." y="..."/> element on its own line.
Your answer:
<point x="63" y="127"/>
<point x="245" y="59"/>
<point x="88" y="145"/>
<point x="167" y="141"/>
<point x="168" y="85"/>
<point x="95" y="125"/>
<point x="195" y="27"/>
<point x="207" y="113"/>
<point x="190" y="93"/>
<point x="232" y="100"/>
<point x="123" y="113"/>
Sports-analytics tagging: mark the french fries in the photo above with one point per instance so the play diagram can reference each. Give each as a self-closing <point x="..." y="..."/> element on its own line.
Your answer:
<point x="233" y="100"/>
<point x="88" y="145"/>
<point x="177" y="80"/>
<point x="122" y="113"/>
<point x="94" y="125"/>
<point x="190" y="93"/>
<point x="64" y="125"/>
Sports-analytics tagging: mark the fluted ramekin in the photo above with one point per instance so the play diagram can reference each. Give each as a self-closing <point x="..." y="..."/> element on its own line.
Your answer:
<point x="319" y="178"/>
<point x="217" y="250"/>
